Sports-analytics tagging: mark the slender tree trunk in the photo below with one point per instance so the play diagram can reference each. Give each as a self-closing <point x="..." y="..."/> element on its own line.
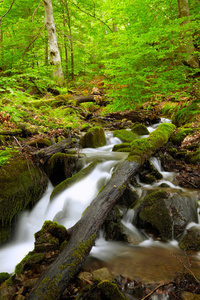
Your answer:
<point x="70" y="40"/>
<point x="187" y="46"/>
<point x="52" y="39"/>
<point x="65" y="41"/>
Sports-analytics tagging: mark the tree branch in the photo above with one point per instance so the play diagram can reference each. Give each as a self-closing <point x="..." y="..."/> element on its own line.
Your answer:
<point x="91" y="15"/>
<point x="7" y="10"/>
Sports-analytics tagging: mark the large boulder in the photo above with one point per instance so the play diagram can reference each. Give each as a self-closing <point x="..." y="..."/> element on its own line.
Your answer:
<point x="94" y="137"/>
<point x="165" y="214"/>
<point x="140" y="129"/>
<point x="21" y="185"/>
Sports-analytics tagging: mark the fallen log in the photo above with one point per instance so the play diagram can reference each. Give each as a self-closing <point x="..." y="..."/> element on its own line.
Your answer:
<point x="83" y="234"/>
<point x="142" y="116"/>
<point x="90" y="98"/>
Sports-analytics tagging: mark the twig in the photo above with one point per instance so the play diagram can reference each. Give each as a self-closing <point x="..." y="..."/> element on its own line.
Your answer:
<point x="17" y="142"/>
<point x="154" y="290"/>
<point x="190" y="271"/>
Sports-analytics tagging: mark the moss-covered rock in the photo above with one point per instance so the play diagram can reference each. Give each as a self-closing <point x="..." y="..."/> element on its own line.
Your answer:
<point x="180" y="135"/>
<point x="166" y="215"/>
<point x="40" y="143"/>
<point x="21" y="185"/>
<point x="193" y="157"/>
<point x="124" y="135"/>
<point x="123" y="147"/>
<point x="153" y="214"/>
<point x="149" y="173"/>
<point x="75" y="178"/>
<point x="4" y="276"/>
<point x="94" y="137"/>
<point x="191" y="241"/>
<point x="140" y="129"/>
<point x="110" y="290"/>
<point x="62" y="166"/>
<point x="54" y="229"/>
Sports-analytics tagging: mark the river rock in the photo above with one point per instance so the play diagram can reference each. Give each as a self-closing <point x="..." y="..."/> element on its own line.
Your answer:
<point x="124" y="135"/>
<point x="94" y="137"/>
<point x="22" y="185"/>
<point x="191" y="240"/>
<point x="102" y="274"/>
<point x="62" y="166"/>
<point x="140" y="129"/>
<point x="149" y="174"/>
<point x="166" y="215"/>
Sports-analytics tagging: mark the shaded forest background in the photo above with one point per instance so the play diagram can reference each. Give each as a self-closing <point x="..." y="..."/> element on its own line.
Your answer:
<point x="140" y="50"/>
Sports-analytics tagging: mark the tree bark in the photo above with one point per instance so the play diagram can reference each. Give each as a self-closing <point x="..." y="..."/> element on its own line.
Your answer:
<point x="52" y="39"/>
<point x="83" y="234"/>
<point x="186" y="45"/>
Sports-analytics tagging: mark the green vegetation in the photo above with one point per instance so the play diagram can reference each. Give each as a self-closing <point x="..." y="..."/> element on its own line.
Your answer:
<point x="5" y="156"/>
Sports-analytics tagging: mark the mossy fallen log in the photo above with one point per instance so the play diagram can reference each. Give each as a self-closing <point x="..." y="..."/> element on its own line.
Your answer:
<point x="83" y="234"/>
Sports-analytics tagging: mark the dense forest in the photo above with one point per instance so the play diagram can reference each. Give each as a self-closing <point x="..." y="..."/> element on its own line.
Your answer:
<point x="142" y="50"/>
<point x="71" y="71"/>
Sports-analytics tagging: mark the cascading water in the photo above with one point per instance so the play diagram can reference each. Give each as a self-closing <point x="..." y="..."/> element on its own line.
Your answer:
<point x="148" y="260"/>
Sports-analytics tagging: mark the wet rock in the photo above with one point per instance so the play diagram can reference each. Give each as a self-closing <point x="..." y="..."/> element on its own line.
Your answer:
<point x="62" y="166"/>
<point x="94" y="137"/>
<point x="102" y="274"/>
<point x="84" y="278"/>
<point x="140" y="129"/>
<point x="124" y="135"/>
<point x="191" y="241"/>
<point x="129" y="197"/>
<point x="22" y="185"/>
<point x="149" y="173"/>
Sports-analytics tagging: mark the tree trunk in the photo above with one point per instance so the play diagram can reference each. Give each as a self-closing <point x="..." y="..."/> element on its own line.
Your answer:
<point x="186" y="45"/>
<point x="52" y="38"/>
<point x="83" y="234"/>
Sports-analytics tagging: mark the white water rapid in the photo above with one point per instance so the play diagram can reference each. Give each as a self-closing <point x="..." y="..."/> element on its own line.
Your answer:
<point x="148" y="260"/>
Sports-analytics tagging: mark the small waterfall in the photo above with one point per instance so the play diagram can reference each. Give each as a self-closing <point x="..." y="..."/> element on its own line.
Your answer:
<point x="148" y="261"/>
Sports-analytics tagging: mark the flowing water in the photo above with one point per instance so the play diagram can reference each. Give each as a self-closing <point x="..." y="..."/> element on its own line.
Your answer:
<point x="149" y="261"/>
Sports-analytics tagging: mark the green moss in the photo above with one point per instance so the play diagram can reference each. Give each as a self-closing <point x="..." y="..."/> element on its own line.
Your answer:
<point x="85" y="127"/>
<point x="55" y="229"/>
<point x="4" y="276"/>
<point x="110" y="290"/>
<point x="75" y="178"/>
<point x="125" y="135"/>
<point x="140" y="150"/>
<point x="140" y="129"/>
<point x="5" y="156"/>
<point x="28" y="260"/>
<point x="94" y="137"/>
<point x="180" y="135"/>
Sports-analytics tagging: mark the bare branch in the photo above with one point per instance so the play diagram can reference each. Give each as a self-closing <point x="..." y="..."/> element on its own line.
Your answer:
<point x="33" y="40"/>
<point x="7" y="10"/>
<point x="91" y="15"/>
